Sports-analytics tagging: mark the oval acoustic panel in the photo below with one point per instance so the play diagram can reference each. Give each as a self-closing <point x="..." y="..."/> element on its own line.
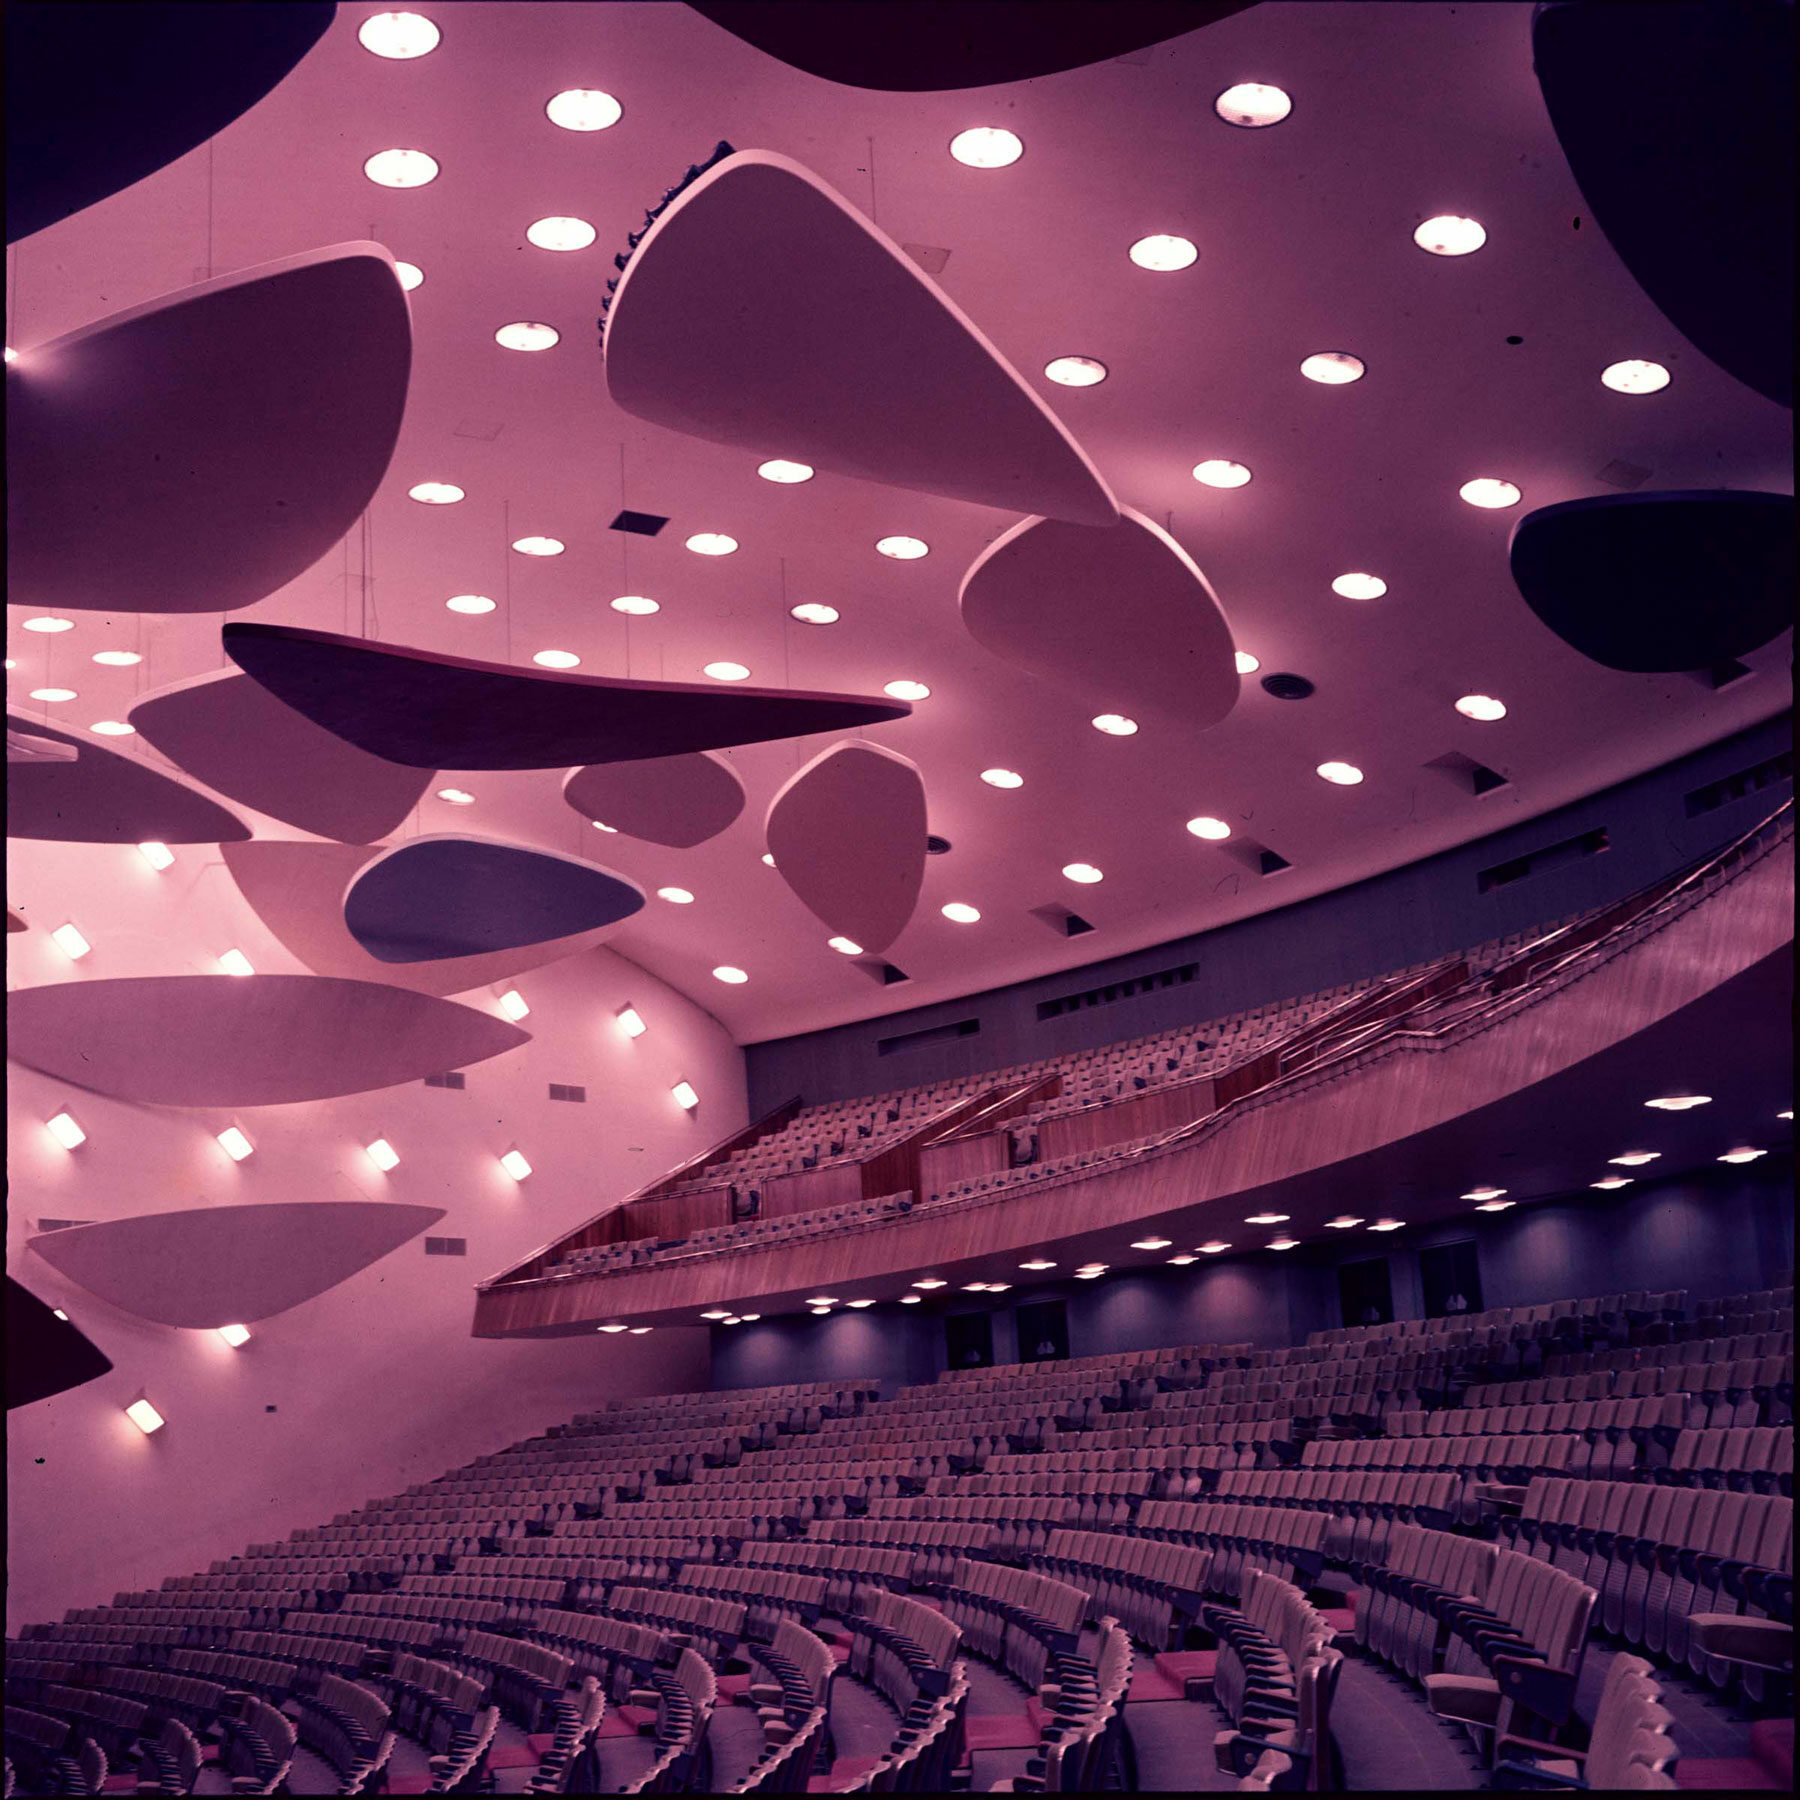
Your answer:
<point x="99" y="796"/>
<point x="462" y="896"/>
<point x="1657" y="582"/>
<point x="99" y="96"/>
<point x="234" y="735"/>
<point x="676" y="800"/>
<point x="1678" y="123"/>
<point x="1122" y="617"/>
<point x="45" y="1354"/>
<point x="229" y="1265"/>
<point x="199" y="452"/>
<point x="244" y="1040"/>
<point x="449" y="712"/>
<point x="848" y="836"/>
<point x="297" y="890"/>
<point x="762" y="311"/>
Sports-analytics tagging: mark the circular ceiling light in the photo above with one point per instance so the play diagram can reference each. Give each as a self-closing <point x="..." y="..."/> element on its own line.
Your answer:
<point x="1449" y="235"/>
<point x="118" y="728"/>
<point x="583" y="109"/>
<point x="1268" y="1218"/>
<point x="399" y="36"/>
<point x="1333" y="367"/>
<point x="730" y="976"/>
<point x="712" y="543"/>
<point x="471" y="603"/>
<point x="1246" y="663"/>
<point x="1163" y="253"/>
<point x="907" y="690"/>
<point x="52" y="694"/>
<point x="1609" y="1182"/>
<point x="1481" y="706"/>
<point x="676" y="896"/>
<point x="845" y="946"/>
<point x="1634" y="1159"/>
<point x="1343" y="1222"/>
<point x="1213" y="830"/>
<point x="726" y="671"/>
<point x="49" y="625"/>
<point x="1076" y="371"/>
<point x="1217" y="473"/>
<point x="1253" y="104"/>
<point x="1359" y="587"/>
<point x="117" y="659"/>
<point x="1680" y="1102"/>
<point x="611" y="830"/>
<point x="539" y="546"/>
<point x="959" y="912"/>
<point x="1085" y="873"/>
<point x="556" y="659"/>
<point x="902" y="549"/>
<point x="401" y="168"/>
<point x="1745" y="1155"/>
<point x="524" y="335"/>
<point x="1213" y="1248"/>
<point x="637" y="605"/>
<point x="1002" y="778"/>
<point x="1388" y="1225"/>
<point x="456" y="796"/>
<point x="1115" y="725"/>
<point x="435" y="493"/>
<point x="1482" y="1193"/>
<point x="1634" y="376"/>
<point x="1486" y="491"/>
<point x="768" y="860"/>
<point x="1343" y="774"/>
<point x="411" y="275"/>
<point x="986" y="147"/>
<point x="788" y="474"/>
<point x="559" y="232"/>
<point x="814" y="612"/>
<point x="1284" y="1243"/>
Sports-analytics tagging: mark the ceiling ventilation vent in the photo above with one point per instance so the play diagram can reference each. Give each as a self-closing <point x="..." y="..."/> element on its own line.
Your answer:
<point x="1269" y="863"/>
<point x="441" y="1246"/>
<point x="1621" y="474"/>
<point x="1116" y="991"/>
<point x="453" y="1080"/>
<point x="932" y="1034"/>
<point x="1287" y="687"/>
<point x="561" y="1090"/>
<point x="882" y="973"/>
<point x="928" y="257"/>
<point x="937" y="846"/>
<point x="644" y="524"/>
<point x="60" y="1224"/>
<point x="1540" y="862"/>
<point x="1060" y="920"/>
<point x="1741" y="785"/>
<point x="1466" y="773"/>
<point x="1722" y="674"/>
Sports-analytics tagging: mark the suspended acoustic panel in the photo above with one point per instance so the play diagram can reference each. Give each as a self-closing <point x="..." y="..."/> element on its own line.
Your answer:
<point x="244" y="1040"/>
<point x="1678" y="123"/>
<point x="297" y="890"/>
<point x="199" y="452"/>
<point x="462" y="896"/>
<point x="99" y="96"/>
<point x="26" y="747"/>
<point x="1658" y="582"/>
<point x="676" y="800"/>
<point x="234" y="735"/>
<point x="762" y="311"/>
<point x="848" y="836"/>
<point x="229" y="1265"/>
<point x="916" y="46"/>
<point x="45" y="1355"/>
<point x="1122" y="617"/>
<point x="102" y="797"/>
<point x="431" y="711"/>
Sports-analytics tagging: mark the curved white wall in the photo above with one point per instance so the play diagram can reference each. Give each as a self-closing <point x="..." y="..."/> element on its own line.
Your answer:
<point x="376" y="1384"/>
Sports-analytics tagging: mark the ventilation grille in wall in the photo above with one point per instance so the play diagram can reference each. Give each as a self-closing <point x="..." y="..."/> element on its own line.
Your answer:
<point x="1539" y="862"/>
<point x="1739" y="786"/>
<point x="1117" y="990"/>
<point x="60" y="1224"/>
<point x="446" y="1246"/>
<point x="934" y="1034"/>
<point x="453" y="1080"/>
<point x="562" y="1090"/>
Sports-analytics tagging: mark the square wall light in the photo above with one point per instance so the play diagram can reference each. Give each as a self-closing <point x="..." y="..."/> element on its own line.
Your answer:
<point x="70" y="941"/>
<point x="237" y="1336"/>
<point x="235" y="1144"/>
<point x="66" y="1132"/>
<point x="512" y="1003"/>
<point x="144" y="1416"/>
<point x="383" y="1154"/>
<point x="631" y="1021"/>
<point x="685" y="1097"/>
<point x="514" y="1163"/>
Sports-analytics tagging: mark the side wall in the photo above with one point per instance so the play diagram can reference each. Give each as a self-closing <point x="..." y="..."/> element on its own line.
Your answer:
<point x="376" y="1384"/>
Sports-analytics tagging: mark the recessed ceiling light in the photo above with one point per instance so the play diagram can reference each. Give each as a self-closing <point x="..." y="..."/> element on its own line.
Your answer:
<point x="902" y="549"/>
<point x="473" y="603"/>
<point x="1213" y="1248"/>
<point x="821" y="1312"/>
<point x="1680" y="1102"/>
<point x="513" y="1004"/>
<point x="235" y="962"/>
<point x="1283" y="1243"/>
<point x="1788" y="1115"/>
<point x="1085" y="873"/>
<point x="929" y="1281"/>
<point x="70" y="942"/>
<point x="556" y="659"/>
<point x="1635" y="1159"/>
<point x="1115" y="725"/>
<point x="1483" y="1193"/>
<point x="1217" y="473"/>
<point x="611" y="1329"/>
<point x="1037" y="1266"/>
<point x="117" y="659"/>
<point x="583" y="109"/>
<point x="631" y="1021"/>
<point x="1182" y="1261"/>
<point x="411" y="276"/>
<point x="1253" y="104"/>
<point x="49" y="624"/>
<point x="726" y="671"/>
<point x="12" y="356"/>
<point x="1387" y="1225"/>
<point x="1267" y="1218"/>
<point x="1076" y="371"/>
<point x="960" y="913"/>
<point x="716" y="1313"/>
<point x="975" y="1287"/>
<point x="526" y="334"/>
<point x="685" y="1096"/>
<point x="999" y="1287"/>
<point x="814" y="612"/>
<point x="676" y="896"/>
<point x="638" y="606"/>
<point x="1246" y="663"/>
<point x="158" y="856"/>
<point x="1742" y="1156"/>
<point x="237" y="1336"/>
<point x="907" y="690"/>
<point x="1482" y="707"/>
<point x="1489" y="492"/>
<point x="559" y="232"/>
<point x="1089" y="1274"/>
<point x="1333" y="367"/>
<point x="712" y="543"/>
<point x="1342" y="774"/>
<point x="787" y="474"/>
<point x="382" y="1154"/>
<point x="1213" y="830"/>
<point x="235" y="1144"/>
<point x="1152" y="1243"/>
<point x="845" y="946"/>
<point x="768" y="860"/>
<point x="455" y="796"/>
<point x="401" y="168"/>
<point x="1495" y="1205"/>
<point x="144" y="1416"/>
<point x="66" y="1131"/>
<point x="1163" y="253"/>
<point x="1343" y="1222"/>
<point x="112" y="728"/>
<point x="823" y="1300"/>
<point x="730" y="976"/>
<point x="435" y="493"/>
<point x="1002" y="778"/>
<point x="1448" y="235"/>
<point x="911" y="1299"/>
<point x="53" y="695"/>
<point x="858" y="1305"/>
<point x="1359" y="587"/>
<point x="1634" y="376"/>
<point x="398" y="36"/>
<point x="1611" y="1181"/>
<point x="538" y="546"/>
<point x="986" y="147"/>
<point x="514" y="1163"/>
